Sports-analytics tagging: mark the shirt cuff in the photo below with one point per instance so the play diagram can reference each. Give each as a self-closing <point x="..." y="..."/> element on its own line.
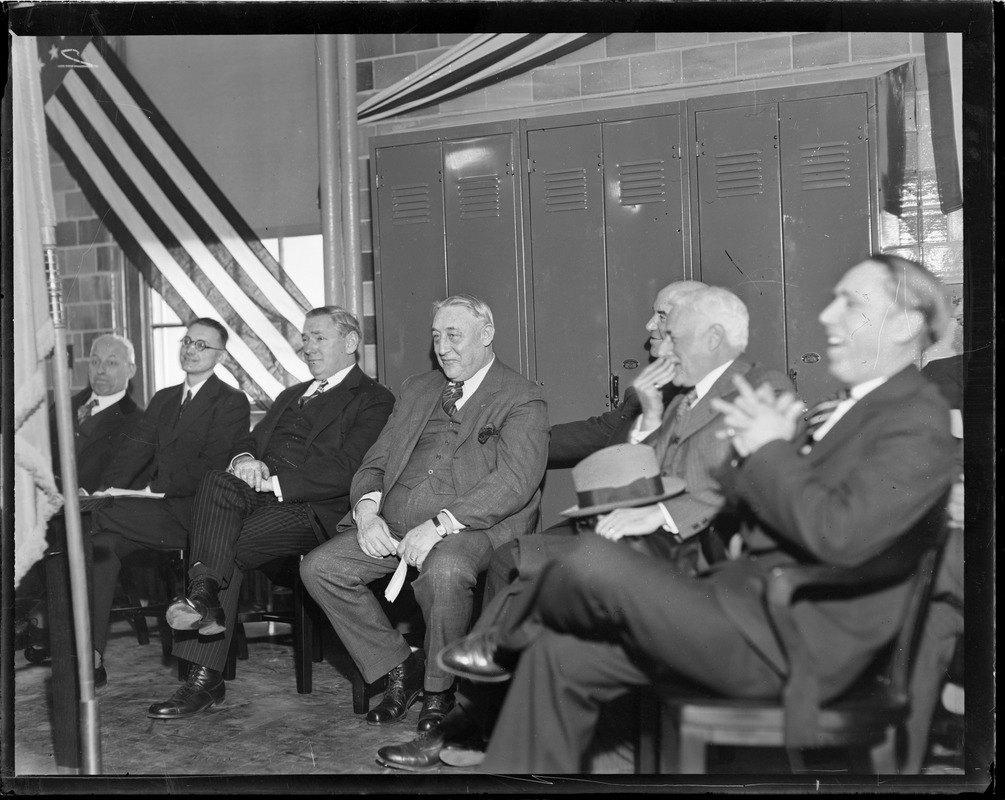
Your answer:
<point x="637" y="435"/>
<point x="453" y="519"/>
<point x="668" y="523"/>
<point x="277" y="488"/>
<point x="375" y="496"/>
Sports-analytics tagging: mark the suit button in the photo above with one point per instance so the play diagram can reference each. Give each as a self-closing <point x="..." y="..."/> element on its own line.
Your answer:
<point x="430" y="472"/>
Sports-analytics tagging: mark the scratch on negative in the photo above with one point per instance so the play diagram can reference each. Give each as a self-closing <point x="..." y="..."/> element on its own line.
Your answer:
<point x="732" y="262"/>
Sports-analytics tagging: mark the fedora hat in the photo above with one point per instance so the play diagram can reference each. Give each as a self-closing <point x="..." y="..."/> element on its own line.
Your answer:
<point x="620" y="476"/>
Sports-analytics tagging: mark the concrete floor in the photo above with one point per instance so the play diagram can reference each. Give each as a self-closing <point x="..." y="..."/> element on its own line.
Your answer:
<point x="305" y="742"/>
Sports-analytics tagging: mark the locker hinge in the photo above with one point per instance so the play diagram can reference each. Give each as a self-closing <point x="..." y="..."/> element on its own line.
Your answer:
<point x="530" y="164"/>
<point x="864" y="135"/>
<point x="380" y="181"/>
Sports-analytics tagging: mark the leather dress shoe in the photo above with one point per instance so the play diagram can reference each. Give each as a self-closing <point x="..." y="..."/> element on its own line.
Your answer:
<point x="203" y="689"/>
<point x="435" y="706"/>
<point x="474" y="657"/>
<point x="200" y="609"/>
<point x="404" y="685"/>
<point x="422" y="753"/>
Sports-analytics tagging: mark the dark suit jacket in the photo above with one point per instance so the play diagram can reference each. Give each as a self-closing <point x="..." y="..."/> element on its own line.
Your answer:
<point x="97" y="441"/>
<point x="354" y="413"/>
<point x="882" y="470"/>
<point x="696" y="454"/>
<point x="571" y="442"/>
<point x="497" y="480"/>
<point x="172" y="455"/>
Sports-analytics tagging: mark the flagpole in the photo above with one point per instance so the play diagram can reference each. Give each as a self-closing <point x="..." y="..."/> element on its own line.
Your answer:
<point x="90" y="741"/>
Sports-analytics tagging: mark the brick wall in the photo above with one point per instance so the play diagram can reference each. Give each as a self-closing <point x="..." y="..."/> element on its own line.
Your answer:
<point x="92" y="267"/>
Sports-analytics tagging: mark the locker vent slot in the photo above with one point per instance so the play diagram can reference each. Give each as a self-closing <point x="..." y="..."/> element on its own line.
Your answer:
<point x="565" y="190"/>
<point x="738" y="173"/>
<point x="824" y="165"/>
<point x="478" y="196"/>
<point x="410" y="204"/>
<point x="642" y="182"/>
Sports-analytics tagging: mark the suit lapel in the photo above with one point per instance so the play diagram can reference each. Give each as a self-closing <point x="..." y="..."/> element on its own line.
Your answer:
<point x="333" y="402"/>
<point x="169" y="427"/>
<point x="703" y="413"/>
<point x="481" y="398"/>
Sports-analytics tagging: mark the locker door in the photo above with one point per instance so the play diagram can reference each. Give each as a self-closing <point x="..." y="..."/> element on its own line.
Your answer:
<point x="827" y="220"/>
<point x="739" y="218"/>
<point x="411" y="268"/>
<point x="566" y="194"/>
<point x="481" y="230"/>
<point x="569" y="280"/>
<point x="642" y="175"/>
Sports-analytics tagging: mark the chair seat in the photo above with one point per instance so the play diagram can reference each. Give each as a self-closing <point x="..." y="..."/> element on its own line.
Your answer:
<point x="762" y="722"/>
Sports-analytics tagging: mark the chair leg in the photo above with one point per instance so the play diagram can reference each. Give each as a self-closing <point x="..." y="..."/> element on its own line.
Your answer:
<point x="360" y="695"/>
<point x="648" y="743"/>
<point x="241" y="638"/>
<point x="230" y="669"/>
<point x="167" y="639"/>
<point x="304" y="637"/>
<point x="140" y="626"/>
<point x="797" y="760"/>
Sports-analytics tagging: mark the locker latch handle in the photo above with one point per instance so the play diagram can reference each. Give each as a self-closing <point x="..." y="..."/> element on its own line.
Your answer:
<point x="615" y="399"/>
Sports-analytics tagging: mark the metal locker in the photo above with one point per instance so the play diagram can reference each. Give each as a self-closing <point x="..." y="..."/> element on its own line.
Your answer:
<point x="410" y="271"/>
<point x="482" y="234"/>
<point x="569" y="279"/>
<point x="827" y="220"/>
<point x="738" y="219"/>
<point x="642" y="176"/>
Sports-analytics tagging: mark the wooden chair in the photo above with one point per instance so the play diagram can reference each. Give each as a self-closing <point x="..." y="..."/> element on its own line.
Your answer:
<point x="875" y="708"/>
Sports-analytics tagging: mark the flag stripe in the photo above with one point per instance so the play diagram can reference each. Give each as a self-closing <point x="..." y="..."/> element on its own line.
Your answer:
<point x="93" y="101"/>
<point x="200" y="265"/>
<point x="197" y="187"/>
<point x="140" y="104"/>
<point x="159" y="256"/>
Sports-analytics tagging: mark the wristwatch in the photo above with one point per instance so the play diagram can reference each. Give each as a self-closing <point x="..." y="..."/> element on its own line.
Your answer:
<point x="440" y="528"/>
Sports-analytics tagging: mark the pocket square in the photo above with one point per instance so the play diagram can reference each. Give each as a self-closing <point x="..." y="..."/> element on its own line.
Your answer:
<point x="485" y="433"/>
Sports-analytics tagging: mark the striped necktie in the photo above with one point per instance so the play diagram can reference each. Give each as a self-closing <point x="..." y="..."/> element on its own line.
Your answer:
<point x="307" y="398"/>
<point x="84" y="412"/>
<point x="451" y="394"/>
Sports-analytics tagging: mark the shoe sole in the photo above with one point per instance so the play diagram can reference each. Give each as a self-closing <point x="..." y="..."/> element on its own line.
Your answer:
<point x="477" y="677"/>
<point x="211" y="628"/>
<point x="404" y="768"/>
<point x="460" y="757"/>
<point x="190" y="714"/>
<point x="182" y="617"/>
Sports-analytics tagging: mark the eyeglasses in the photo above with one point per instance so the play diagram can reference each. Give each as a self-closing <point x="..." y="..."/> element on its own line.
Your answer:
<point x="198" y="344"/>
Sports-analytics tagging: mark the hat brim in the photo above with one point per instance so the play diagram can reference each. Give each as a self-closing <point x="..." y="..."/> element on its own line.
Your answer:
<point x="671" y="486"/>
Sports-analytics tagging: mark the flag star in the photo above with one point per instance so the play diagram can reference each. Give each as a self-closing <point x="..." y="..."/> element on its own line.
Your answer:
<point x="53" y="53"/>
<point x="41" y="65"/>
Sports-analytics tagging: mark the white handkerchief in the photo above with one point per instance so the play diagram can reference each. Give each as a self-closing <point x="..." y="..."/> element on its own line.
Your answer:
<point x="396" y="582"/>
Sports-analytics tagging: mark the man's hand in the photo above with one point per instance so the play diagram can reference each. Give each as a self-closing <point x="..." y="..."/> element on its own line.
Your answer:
<point x="255" y="473"/>
<point x="648" y="386"/>
<point x="621" y="522"/>
<point x="417" y="543"/>
<point x="758" y="417"/>
<point x="372" y="532"/>
<point x="956" y="506"/>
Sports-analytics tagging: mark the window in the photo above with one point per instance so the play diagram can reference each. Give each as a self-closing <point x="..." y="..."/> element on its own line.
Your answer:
<point x="301" y="257"/>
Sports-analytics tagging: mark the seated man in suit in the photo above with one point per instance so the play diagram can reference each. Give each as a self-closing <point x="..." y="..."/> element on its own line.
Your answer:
<point x="455" y="474"/>
<point x="286" y="487"/>
<point x="701" y="350"/>
<point x="840" y="490"/>
<point x="102" y="414"/>
<point x="186" y="431"/>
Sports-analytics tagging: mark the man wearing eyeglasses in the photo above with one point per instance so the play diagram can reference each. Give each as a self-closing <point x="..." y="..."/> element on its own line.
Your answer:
<point x="186" y="431"/>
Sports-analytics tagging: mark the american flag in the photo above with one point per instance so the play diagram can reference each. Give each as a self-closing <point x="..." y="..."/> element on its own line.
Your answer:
<point x="166" y="213"/>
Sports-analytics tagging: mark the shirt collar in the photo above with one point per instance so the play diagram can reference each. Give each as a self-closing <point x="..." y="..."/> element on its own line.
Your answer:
<point x="701" y="387"/>
<point x="333" y="380"/>
<point x="471" y="384"/>
<point x="194" y="388"/>
<point x="861" y="390"/>
<point x="104" y="401"/>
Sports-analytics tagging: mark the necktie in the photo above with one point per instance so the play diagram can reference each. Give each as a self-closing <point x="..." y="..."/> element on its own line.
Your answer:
<point x="85" y="410"/>
<point x="451" y="394"/>
<point x="684" y="409"/>
<point x="307" y="398"/>
<point x="185" y="402"/>
<point x="819" y="414"/>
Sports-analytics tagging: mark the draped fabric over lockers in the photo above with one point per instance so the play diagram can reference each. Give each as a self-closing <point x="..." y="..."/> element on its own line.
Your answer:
<point x="170" y="218"/>
<point x="478" y="61"/>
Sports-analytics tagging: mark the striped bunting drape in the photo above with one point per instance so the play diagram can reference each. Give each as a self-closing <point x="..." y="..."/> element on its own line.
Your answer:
<point x="169" y="217"/>
<point x="478" y="61"/>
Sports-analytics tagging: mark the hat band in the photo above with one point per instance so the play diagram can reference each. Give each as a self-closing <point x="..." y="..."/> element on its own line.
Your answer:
<point x="636" y="490"/>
